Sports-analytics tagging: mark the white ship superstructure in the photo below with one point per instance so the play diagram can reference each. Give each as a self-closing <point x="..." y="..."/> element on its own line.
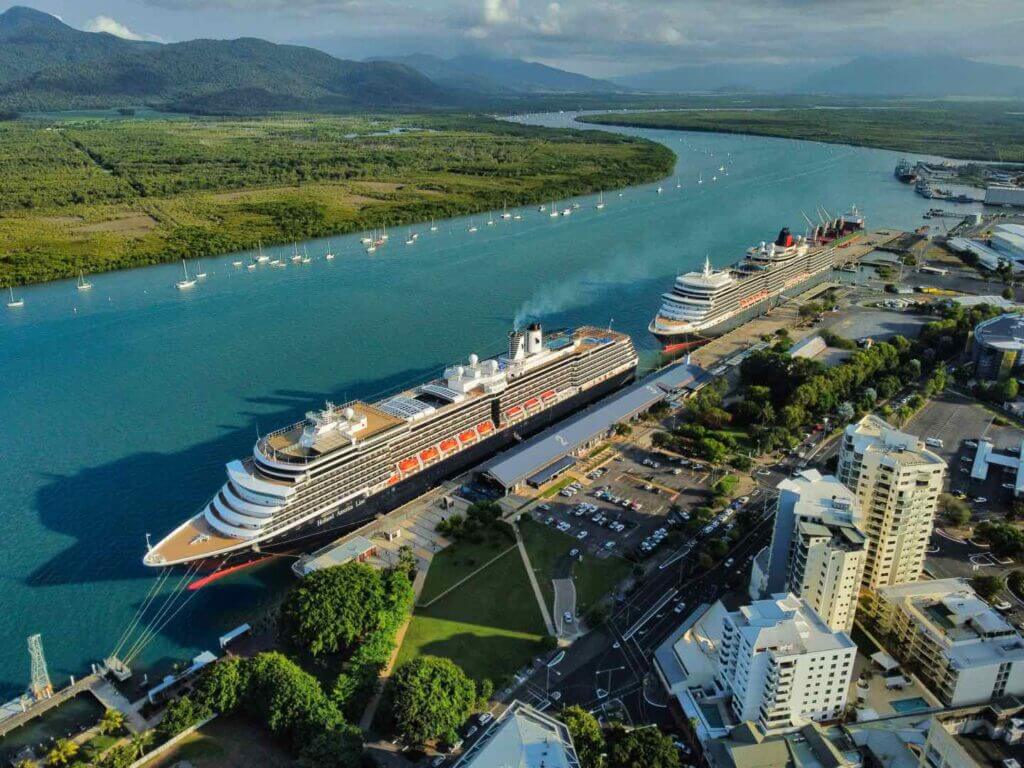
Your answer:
<point x="705" y="304"/>
<point x="307" y="474"/>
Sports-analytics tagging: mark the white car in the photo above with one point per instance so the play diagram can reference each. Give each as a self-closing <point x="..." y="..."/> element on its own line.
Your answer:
<point x="581" y="535"/>
<point x="980" y="500"/>
<point x="679" y="608"/>
<point x="567" y="616"/>
<point x="485" y="718"/>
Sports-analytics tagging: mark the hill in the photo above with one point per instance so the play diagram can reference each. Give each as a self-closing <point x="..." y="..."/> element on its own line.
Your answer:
<point x="925" y="76"/>
<point x="490" y="76"/>
<point x="41" y="68"/>
<point x="698" y="78"/>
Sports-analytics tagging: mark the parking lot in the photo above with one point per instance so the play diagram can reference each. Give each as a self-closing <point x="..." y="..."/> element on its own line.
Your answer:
<point x="958" y="422"/>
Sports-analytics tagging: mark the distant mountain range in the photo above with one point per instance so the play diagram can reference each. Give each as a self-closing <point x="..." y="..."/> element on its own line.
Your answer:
<point x="491" y="77"/>
<point x="892" y="76"/>
<point x="43" y="66"/>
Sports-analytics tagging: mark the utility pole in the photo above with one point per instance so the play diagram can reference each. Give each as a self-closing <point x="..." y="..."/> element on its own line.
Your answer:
<point x="40" y="687"/>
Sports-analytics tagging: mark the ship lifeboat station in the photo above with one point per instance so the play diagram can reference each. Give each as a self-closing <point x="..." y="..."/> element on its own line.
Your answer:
<point x="547" y="455"/>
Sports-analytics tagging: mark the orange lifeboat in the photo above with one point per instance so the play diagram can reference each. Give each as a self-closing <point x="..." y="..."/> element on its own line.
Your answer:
<point x="428" y="455"/>
<point x="393" y="479"/>
<point x="484" y="428"/>
<point x="408" y="465"/>
<point x="468" y="436"/>
<point x="515" y="410"/>
<point x="548" y="395"/>
<point x="533" y="402"/>
<point x="448" y="445"/>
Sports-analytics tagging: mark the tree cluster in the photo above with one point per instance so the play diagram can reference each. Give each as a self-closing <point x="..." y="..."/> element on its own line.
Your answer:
<point x="618" y="747"/>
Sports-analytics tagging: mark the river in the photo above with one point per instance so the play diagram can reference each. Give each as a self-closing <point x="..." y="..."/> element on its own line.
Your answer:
<point x="120" y="405"/>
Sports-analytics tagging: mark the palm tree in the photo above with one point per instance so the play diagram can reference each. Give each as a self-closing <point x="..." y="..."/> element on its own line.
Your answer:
<point x="111" y="722"/>
<point x="26" y="763"/>
<point x="140" y="743"/>
<point x="62" y="753"/>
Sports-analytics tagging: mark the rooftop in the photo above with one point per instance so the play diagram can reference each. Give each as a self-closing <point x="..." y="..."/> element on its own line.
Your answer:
<point x="1005" y="332"/>
<point x="821" y="498"/>
<point x="787" y="625"/>
<point x="875" y="435"/>
<point x="517" y="464"/>
<point x="522" y="737"/>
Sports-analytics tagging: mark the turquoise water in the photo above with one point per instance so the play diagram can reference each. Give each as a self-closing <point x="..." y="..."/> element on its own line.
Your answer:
<point x="916" y="704"/>
<point x="116" y="419"/>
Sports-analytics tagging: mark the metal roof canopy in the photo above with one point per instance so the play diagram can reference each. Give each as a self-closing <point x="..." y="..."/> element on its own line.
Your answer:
<point x="551" y="472"/>
<point x="516" y="465"/>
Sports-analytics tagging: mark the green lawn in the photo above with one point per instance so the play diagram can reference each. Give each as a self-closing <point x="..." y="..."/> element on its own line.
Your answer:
<point x="458" y="561"/>
<point x="226" y="742"/>
<point x="557" y="487"/>
<point x="594" y="578"/>
<point x="490" y="626"/>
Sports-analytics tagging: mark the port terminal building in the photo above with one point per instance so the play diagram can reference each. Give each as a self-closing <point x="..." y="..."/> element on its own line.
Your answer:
<point x="546" y="456"/>
<point x="998" y="346"/>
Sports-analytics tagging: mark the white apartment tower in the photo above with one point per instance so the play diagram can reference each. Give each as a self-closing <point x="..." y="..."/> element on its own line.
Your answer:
<point x="818" y="546"/>
<point x="897" y="482"/>
<point x="783" y="664"/>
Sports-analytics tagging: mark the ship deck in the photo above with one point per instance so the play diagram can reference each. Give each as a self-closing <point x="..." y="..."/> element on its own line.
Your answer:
<point x="286" y="442"/>
<point x="179" y="546"/>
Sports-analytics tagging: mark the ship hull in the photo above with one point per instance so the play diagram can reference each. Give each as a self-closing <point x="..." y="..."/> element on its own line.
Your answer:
<point x="674" y="343"/>
<point x="316" y="532"/>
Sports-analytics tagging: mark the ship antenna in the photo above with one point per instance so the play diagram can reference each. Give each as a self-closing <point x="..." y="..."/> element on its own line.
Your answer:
<point x="707" y="265"/>
<point x="149" y="545"/>
<point x="610" y="321"/>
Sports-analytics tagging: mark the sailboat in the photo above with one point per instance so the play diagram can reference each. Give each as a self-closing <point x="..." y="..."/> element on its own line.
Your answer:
<point x="472" y="226"/>
<point x="305" y="256"/>
<point x="296" y="257"/>
<point x="83" y="285"/>
<point x="366" y="240"/>
<point x="490" y="221"/>
<point x="542" y="208"/>
<point x="433" y="226"/>
<point x="330" y="254"/>
<point x="384" y="233"/>
<point x="15" y="303"/>
<point x="261" y="257"/>
<point x="600" y="201"/>
<point x="251" y="266"/>
<point x="721" y="169"/>
<point x="236" y="263"/>
<point x="679" y="184"/>
<point x="201" y="275"/>
<point x="554" y="210"/>
<point x="700" y="178"/>
<point x="505" y="214"/>
<point x="410" y="240"/>
<point x="714" y="178"/>
<point x="187" y="282"/>
<point x="660" y="190"/>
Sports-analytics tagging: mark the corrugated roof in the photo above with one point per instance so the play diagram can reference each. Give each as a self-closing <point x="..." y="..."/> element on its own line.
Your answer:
<point x="516" y="465"/>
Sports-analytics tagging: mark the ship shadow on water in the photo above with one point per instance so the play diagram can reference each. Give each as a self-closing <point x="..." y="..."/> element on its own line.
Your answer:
<point x="107" y="509"/>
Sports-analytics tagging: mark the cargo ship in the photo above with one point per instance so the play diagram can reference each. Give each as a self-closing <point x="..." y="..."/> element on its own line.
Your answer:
<point x="344" y="464"/>
<point x="709" y="303"/>
<point x="905" y="171"/>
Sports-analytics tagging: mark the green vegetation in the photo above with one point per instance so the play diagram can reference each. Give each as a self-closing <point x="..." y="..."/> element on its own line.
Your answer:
<point x="988" y="587"/>
<point x="489" y="626"/>
<point x="958" y="512"/>
<point x="431" y="698"/>
<point x="645" y="746"/>
<point x="593" y="578"/>
<point x="1006" y="540"/>
<point x="1016" y="582"/>
<point x="968" y="130"/>
<point x="99" y="195"/>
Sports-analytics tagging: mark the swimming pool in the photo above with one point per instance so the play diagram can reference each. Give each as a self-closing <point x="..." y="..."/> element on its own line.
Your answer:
<point x="916" y="704"/>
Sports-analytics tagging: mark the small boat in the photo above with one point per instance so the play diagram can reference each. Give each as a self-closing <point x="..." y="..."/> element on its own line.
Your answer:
<point x="721" y="169"/>
<point x="236" y="263"/>
<point x="296" y="256"/>
<point x="371" y="248"/>
<point x="252" y="266"/>
<point x="278" y="263"/>
<point x="505" y="214"/>
<point x="542" y="208"/>
<point x="554" y="210"/>
<point x="700" y="179"/>
<point x="187" y="282"/>
<point x="384" y="233"/>
<point x="201" y="275"/>
<point x="410" y="240"/>
<point x="261" y="257"/>
<point x="517" y="217"/>
<point x="415" y="235"/>
<point x="575" y="206"/>
<point x="433" y="226"/>
<point x="490" y="222"/>
<point x="679" y="184"/>
<point x="600" y="201"/>
<point x="660" y="190"/>
<point x="330" y="254"/>
<point x="83" y="285"/>
<point x="366" y="240"/>
<point x="714" y="178"/>
<point x="567" y="211"/>
<point x="14" y="303"/>
<point x="472" y="227"/>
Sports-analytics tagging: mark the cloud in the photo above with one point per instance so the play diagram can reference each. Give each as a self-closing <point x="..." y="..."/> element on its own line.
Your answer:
<point x="117" y="29"/>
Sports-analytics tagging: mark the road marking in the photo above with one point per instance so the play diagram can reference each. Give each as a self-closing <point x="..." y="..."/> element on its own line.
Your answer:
<point x="650" y="613"/>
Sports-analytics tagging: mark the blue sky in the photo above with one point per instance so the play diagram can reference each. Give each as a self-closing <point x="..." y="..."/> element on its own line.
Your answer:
<point x="597" y="37"/>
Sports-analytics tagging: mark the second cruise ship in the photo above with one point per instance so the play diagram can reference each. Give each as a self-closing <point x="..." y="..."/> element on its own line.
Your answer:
<point x="706" y="304"/>
<point x="343" y="464"/>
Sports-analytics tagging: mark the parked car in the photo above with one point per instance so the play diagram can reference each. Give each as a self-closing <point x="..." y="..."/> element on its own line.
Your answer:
<point x="581" y="535"/>
<point x="568" y="617"/>
<point x="485" y="718"/>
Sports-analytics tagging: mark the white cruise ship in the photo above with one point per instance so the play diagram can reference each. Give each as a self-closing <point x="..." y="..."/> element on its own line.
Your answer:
<point x="706" y="304"/>
<point x="345" y="463"/>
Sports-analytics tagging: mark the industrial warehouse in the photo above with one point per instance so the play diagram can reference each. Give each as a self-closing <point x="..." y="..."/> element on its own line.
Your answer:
<point x="549" y="454"/>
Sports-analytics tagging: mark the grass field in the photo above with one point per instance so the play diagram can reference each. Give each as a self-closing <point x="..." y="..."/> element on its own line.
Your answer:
<point x="458" y="561"/>
<point x="490" y="626"/>
<point x="558" y="485"/>
<point x="95" y="195"/>
<point x="226" y="742"/>
<point x="594" y="578"/>
<point x="971" y="131"/>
